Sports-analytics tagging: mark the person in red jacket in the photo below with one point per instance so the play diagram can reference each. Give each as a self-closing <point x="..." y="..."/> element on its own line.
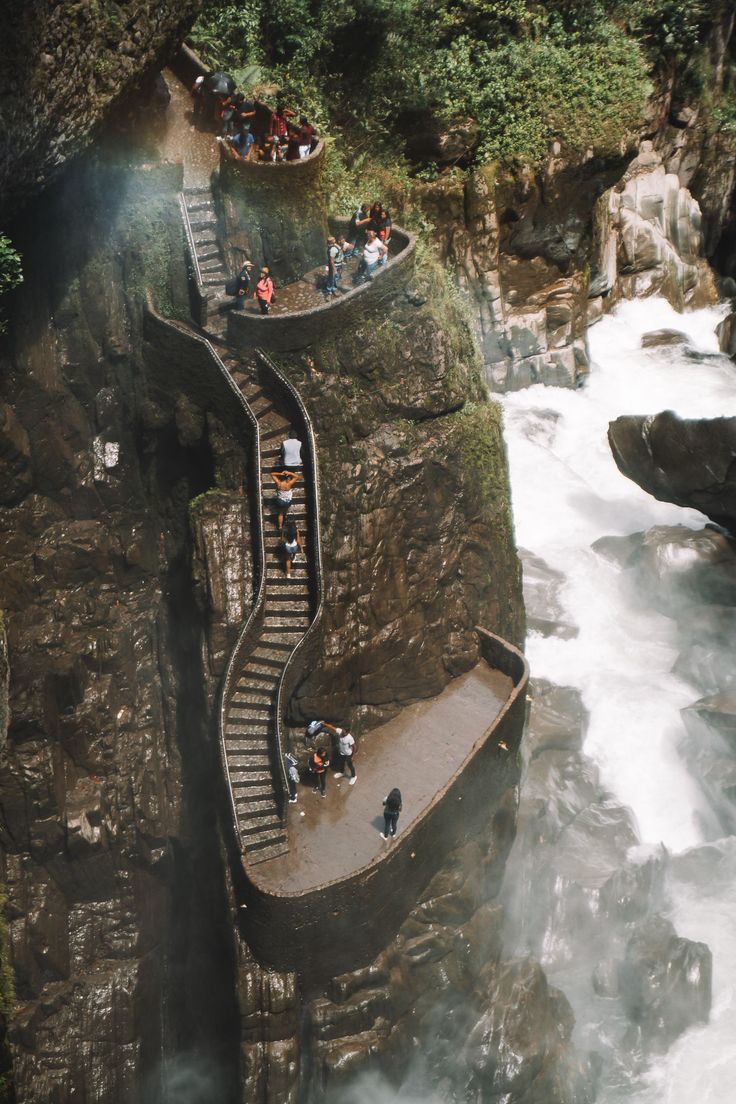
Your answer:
<point x="264" y="291"/>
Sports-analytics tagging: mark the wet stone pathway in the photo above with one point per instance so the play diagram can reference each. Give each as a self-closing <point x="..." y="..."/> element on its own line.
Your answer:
<point x="419" y="750"/>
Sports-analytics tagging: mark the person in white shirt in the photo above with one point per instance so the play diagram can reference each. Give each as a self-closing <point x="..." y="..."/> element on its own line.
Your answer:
<point x="291" y="453"/>
<point x="346" y="750"/>
<point x="374" y="252"/>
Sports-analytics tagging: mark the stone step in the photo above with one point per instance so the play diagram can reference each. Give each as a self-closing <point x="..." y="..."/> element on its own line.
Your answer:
<point x="264" y="658"/>
<point x="263" y="682"/>
<point x="236" y="731"/>
<point x="200" y="202"/>
<point x="209" y="279"/>
<point x="254" y="840"/>
<point x="211" y="264"/>
<point x="261" y="810"/>
<point x="274" y="644"/>
<point x="255" y="674"/>
<point x="269" y="821"/>
<point x="285" y="603"/>
<point x="198" y="224"/>
<point x="255" y="746"/>
<point x="277" y="432"/>
<point x="260" y="697"/>
<point x="281" y="847"/>
<point x="210" y="253"/>
<point x="289" y="620"/>
<point x="257" y="789"/>
<point x="249" y="717"/>
<point x="252" y="762"/>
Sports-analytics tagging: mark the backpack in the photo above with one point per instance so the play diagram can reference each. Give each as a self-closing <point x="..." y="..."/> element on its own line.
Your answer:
<point x="312" y="729"/>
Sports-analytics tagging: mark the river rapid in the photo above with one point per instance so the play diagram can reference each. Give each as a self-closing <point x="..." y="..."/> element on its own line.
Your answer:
<point x="567" y="493"/>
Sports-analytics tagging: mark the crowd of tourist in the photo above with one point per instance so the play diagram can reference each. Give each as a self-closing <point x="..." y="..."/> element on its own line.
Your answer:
<point x="367" y="239"/>
<point x="250" y="130"/>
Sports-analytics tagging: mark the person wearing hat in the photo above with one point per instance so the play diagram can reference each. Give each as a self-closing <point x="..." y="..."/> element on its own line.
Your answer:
<point x="241" y="286"/>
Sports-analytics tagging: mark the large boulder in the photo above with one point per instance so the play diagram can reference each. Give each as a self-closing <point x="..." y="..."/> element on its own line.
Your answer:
<point x="691" y="462"/>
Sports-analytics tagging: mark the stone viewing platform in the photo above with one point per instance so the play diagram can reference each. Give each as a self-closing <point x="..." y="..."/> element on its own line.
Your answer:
<point x="418" y="751"/>
<point x="341" y="895"/>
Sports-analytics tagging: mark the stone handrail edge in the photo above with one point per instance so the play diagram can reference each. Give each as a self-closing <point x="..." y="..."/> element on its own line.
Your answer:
<point x="241" y="163"/>
<point x="256" y="613"/>
<point x="315" y="560"/>
<point x="194" y="262"/>
<point x="515" y="658"/>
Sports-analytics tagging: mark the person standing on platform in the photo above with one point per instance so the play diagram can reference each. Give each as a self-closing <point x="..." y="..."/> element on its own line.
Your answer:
<point x="391" y="810"/>
<point x="319" y="761"/>
<point x="346" y="750"/>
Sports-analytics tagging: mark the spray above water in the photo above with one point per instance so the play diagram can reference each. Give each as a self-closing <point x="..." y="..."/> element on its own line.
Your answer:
<point x="568" y="494"/>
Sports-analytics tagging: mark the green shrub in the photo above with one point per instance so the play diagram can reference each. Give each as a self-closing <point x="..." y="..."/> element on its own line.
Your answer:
<point x="11" y="273"/>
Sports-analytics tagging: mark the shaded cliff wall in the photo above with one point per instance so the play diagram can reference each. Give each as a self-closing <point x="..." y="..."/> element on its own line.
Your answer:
<point x="63" y="67"/>
<point x="120" y="937"/>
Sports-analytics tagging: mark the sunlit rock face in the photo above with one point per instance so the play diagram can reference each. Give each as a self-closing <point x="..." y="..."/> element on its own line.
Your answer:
<point x="691" y="462"/>
<point x="62" y="68"/>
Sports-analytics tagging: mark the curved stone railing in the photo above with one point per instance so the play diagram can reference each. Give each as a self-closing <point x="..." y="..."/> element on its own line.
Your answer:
<point x="194" y="379"/>
<point x="297" y="329"/>
<point x="262" y="173"/>
<point x="306" y="647"/>
<point x="341" y="925"/>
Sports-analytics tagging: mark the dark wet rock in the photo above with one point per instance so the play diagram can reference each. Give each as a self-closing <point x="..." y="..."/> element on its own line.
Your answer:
<point x="109" y="851"/>
<point x="105" y="52"/>
<point x="619" y="550"/>
<point x="678" y="567"/>
<point x="412" y="510"/>
<point x="726" y="330"/>
<point x="691" y="462"/>
<point x="443" y="986"/>
<point x="658" y="338"/>
<point x="606" y="979"/>
<point x="557" y="721"/>
<point x="665" y="983"/>
<point x="542" y="585"/>
<point x="710" y="751"/>
<point x="507" y="1051"/>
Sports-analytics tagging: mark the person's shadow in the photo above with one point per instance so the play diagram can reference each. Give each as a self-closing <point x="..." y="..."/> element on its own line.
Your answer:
<point x="377" y="823"/>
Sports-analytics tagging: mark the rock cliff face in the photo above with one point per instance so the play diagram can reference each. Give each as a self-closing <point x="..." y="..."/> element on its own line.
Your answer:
<point x="118" y="910"/>
<point x="62" y="68"/>
<point x="691" y="462"/>
<point x="541" y="255"/>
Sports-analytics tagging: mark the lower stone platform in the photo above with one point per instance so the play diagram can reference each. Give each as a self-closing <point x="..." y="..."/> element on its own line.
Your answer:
<point x="418" y="751"/>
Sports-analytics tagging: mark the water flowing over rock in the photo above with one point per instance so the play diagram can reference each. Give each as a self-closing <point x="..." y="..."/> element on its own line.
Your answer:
<point x="691" y="462"/>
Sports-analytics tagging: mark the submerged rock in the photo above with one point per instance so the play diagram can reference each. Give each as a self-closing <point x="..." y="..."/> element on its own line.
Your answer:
<point x="544" y="610"/>
<point x="665" y="983"/>
<point x="658" y="338"/>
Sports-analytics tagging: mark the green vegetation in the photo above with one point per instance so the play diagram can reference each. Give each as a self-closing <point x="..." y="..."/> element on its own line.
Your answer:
<point x="11" y="272"/>
<point x="527" y="71"/>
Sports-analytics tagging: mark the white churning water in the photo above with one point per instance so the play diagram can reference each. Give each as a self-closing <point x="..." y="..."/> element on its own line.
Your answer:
<point x="567" y="492"/>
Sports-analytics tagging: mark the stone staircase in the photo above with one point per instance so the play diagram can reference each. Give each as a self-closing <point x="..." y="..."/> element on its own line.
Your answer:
<point x="249" y="734"/>
<point x="200" y="208"/>
<point x="249" y="730"/>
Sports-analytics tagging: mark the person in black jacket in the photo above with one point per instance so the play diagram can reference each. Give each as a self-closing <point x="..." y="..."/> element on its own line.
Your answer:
<point x="240" y="286"/>
<point x="391" y="810"/>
